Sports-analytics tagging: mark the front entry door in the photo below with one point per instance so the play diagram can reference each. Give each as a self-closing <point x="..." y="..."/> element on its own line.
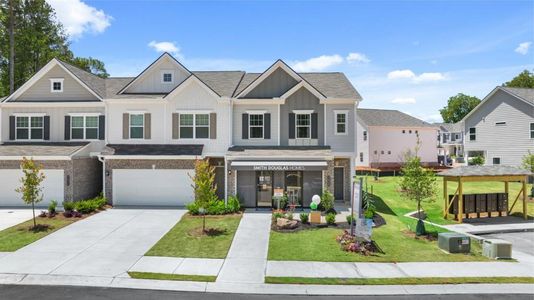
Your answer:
<point x="264" y="188"/>
<point x="338" y="183"/>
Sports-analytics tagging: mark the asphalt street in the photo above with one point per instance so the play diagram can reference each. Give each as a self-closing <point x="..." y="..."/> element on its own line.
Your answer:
<point x="15" y="292"/>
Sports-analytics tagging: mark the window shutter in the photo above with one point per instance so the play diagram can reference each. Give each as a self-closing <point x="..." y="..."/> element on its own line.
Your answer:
<point x="147" y="127"/>
<point x="314" y="126"/>
<point x="67" y="128"/>
<point x="291" y="125"/>
<point x="213" y="126"/>
<point x="101" y="127"/>
<point x="46" y="128"/>
<point x="267" y="126"/>
<point x="125" y="126"/>
<point x="244" y="126"/>
<point x="12" y="135"/>
<point x="175" y="126"/>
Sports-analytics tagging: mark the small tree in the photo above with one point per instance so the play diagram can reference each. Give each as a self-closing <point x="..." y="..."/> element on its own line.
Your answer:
<point x="418" y="184"/>
<point x="528" y="164"/>
<point x="31" y="189"/>
<point x="204" y="187"/>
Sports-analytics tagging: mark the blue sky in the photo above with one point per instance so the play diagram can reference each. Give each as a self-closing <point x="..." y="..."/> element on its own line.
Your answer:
<point x="406" y="55"/>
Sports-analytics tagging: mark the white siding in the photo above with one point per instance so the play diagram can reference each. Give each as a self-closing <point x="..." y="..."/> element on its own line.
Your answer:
<point x="510" y="142"/>
<point x="239" y="110"/>
<point x="114" y="125"/>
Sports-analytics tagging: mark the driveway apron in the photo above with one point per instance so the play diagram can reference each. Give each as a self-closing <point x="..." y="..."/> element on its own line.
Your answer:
<point x="106" y="244"/>
<point x="247" y="258"/>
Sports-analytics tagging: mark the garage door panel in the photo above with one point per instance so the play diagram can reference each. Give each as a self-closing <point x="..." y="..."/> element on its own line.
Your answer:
<point x="53" y="187"/>
<point x="152" y="187"/>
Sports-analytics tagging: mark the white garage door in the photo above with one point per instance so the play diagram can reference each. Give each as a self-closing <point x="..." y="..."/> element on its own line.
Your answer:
<point x="152" y="187"/>
<point x="10" y="180"/>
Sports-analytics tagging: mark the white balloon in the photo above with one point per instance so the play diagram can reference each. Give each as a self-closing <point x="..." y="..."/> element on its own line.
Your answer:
<point x="316" y="199"/>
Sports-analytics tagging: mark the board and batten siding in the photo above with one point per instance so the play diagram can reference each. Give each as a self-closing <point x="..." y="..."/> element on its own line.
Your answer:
<point x="196" y="98"/>
<point x="237" y="127"/>
<point x="342" y="142"/>
<point x="510" y="142"/>
<point x="72" y="90"/>
<point x="150" y="82"/>
<point x="361" y="145"/>
<point x="275" y="85"/>
<point x="301" y="100"/>
<point x="57" y="118"/>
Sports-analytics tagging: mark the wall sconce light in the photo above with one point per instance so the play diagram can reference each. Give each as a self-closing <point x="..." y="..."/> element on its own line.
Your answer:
<point x="107" y="173"/>
<point x="229" y="172"/>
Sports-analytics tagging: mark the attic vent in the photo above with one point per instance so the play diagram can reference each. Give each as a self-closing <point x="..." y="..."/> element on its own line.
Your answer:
<point x="500" y="123"/>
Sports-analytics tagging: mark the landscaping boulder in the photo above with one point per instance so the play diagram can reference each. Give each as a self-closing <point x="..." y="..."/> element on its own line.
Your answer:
<point x="283" y="223"/>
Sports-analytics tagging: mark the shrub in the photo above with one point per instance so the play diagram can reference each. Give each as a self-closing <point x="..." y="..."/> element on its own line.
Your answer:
<point x="68" y="206"/>
<point x="52" y="207"/>
<point x="330" y="219"/>
<point x="327" y="201"/>
<point x="289" y="215"/>
<point x="233" y="205"/>
<point x="369" y="214"/>
<point x="89" y="205"/>
<point x="216" y="207"/>
<point x="476" y="161"/>
<point x="304" y="217"/>
<point x="68" y="213"/>
<point x="350" y="219"/>
<point x="277" y="215"/>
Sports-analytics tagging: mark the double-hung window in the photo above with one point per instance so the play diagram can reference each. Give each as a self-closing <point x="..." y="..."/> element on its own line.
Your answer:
<point x="472" y="134"/>
<point x="194" y="126"/>
<point x="341" y="123"/>
<point x="137" y="126"/>
<point x="365" y="135"/>
<point x="303" y="126"/>
<point x="29" y="127"/>
<point x="84" y="127"/>
<point x="532" y="130"/>
<point x="256" y="122"/>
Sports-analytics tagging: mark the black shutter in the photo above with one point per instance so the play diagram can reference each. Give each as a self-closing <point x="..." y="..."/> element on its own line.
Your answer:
<point x="314" y="126"/>
<point x="101" y="127"/>
<point x="67" y="128"/>
<point x="46" y="128"/>
<point x="267" y="126"/>
<point x="12" y="128"/>
<point x="244" y="126"/>
<point x="291" y="125"/>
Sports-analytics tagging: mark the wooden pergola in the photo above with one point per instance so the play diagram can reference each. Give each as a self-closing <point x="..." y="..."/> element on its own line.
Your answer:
<point x="496" y="173"/>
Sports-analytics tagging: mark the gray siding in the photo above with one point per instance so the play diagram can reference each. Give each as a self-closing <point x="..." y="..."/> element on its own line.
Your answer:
<point x="510" y="142"/>
<point x="237" y="125"/>
<point x="72" y="90"/>
<point x="301" y="100"/>
<point x="340" y="143"/>
<point x="57" y="118"/>
<point x="275" y="85"/>
<point x="150" y="82"/>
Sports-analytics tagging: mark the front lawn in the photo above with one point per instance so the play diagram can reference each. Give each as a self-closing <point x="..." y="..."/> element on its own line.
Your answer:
<point x="186" y="240"/>
<point x="18" y="236"/>
<point x="176" y="277"/>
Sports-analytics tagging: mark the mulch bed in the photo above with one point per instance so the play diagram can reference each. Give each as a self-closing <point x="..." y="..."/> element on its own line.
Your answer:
<point x="307" y="226"/>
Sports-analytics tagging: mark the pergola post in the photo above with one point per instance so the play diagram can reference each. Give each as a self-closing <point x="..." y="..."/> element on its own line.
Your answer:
<point x="506" y="190"/>
<point x="445" y="197"/>
<point x="525" y="216"/>
<point x="460" y="201"/>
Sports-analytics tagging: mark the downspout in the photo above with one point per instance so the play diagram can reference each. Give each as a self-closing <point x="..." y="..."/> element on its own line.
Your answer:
<point x="102" y="160"/>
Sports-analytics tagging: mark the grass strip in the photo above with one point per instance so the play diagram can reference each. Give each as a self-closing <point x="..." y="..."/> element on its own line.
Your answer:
<point x="176" y="277"/>
<point x="397" y="281"/>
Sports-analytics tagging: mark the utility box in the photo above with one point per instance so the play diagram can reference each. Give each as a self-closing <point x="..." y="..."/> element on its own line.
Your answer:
<point x="497" y="249"/>
<point x="453" y="242"/>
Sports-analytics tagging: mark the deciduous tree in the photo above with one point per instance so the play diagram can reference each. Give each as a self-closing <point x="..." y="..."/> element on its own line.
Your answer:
<point x="458" y="107"/>
<point x="30" y="188"/>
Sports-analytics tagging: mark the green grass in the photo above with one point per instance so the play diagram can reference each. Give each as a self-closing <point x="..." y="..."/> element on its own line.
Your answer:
<point x="183" y="239"/>
<point x="397" y="281"/>
<point x="18" y="236"/>
<point x="177" y="277"/>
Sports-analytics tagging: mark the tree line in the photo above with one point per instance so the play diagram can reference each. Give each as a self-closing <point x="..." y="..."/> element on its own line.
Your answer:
<point x="30" y="36"/>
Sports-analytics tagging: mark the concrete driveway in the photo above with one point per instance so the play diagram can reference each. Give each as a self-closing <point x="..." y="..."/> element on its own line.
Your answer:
<point x="521" y="241"/>
<point x="106" y="244"/>
<point x="12" y="217"/>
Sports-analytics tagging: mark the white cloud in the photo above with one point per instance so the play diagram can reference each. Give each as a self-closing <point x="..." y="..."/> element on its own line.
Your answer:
<point x="403" y="101"/>
<point x="318" y="63"/>
<point x="166" y="47"/>
<point x="401" y="74"/>
<point x="356" y="57"/>
<point x="78" y="18"/>
<point x="409" y="74"/>
<point x="523" y="48"/>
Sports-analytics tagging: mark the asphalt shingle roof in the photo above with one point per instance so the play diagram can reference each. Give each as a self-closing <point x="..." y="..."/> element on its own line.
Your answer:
<point x="525" y="93"/>
<point x="95" y="83"/>
<point x="450" y="127"/>
<point x="223" y="83"/>
<point x="497" y="170"/>
<point x="40" y="149"/>
<point x="153" y="149"/>
<point x="386" y="117"/>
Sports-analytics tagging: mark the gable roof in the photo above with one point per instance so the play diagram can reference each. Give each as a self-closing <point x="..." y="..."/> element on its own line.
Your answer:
<point x="524" y="94"/>
<point x="450" y="127"/>
<point x="386" y="117"/>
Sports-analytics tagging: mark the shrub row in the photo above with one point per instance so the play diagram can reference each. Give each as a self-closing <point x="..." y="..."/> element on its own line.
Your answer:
<point x="85" y="206"/>
<point x="217" y="207"/>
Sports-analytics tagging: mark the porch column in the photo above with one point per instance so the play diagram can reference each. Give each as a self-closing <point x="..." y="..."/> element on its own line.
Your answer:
<point x="352" y="175"/>
<point x="460" y="201"/>
<point x="445" y="197"/>
<point x="525" y="198"/>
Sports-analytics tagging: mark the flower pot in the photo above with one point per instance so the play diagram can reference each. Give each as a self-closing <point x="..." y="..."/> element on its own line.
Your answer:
<point x="315" y="217"/>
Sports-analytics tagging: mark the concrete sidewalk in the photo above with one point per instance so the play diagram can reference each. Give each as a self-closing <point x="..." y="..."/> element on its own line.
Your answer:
<point x="490" y="228"/>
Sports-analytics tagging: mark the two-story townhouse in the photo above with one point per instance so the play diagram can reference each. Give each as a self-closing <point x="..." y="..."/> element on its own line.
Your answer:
<point x="58" y="119"/>
<point x="450" y="140"/>
<point x="293" y="133"/>
<point x="501" y="127"/>
<point x="385" y="137"/>
<point x="264" y="133"/>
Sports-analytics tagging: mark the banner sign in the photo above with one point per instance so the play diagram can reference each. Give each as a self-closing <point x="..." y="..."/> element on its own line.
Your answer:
<point x="279" y="168"/>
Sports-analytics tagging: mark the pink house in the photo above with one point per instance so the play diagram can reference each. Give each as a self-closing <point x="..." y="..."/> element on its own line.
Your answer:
<point x="384" y="137"/>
